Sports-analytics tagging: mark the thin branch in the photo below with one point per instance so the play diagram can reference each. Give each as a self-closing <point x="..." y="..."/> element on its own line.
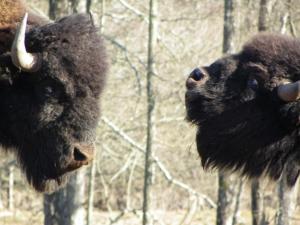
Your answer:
<point x="134" y="10"/>
<point x="125" y="51"/>
<point x="156" y="160"/>
<point x="123" y="168"/>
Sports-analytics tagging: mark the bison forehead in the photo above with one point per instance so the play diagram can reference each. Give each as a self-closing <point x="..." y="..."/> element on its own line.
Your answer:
<point x="72" y="52"/>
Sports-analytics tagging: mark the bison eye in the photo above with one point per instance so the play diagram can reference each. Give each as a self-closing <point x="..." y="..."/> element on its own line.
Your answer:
<point x="252" y="84"/>
<point x="48" y="90"/>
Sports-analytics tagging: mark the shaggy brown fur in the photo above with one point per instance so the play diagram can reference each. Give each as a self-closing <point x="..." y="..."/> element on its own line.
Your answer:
<point x="243" y="125"/>
<point x="45" y="114"/>
<point x="11" y="13"/>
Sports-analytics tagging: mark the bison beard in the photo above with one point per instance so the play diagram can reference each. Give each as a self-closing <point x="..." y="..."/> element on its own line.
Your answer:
<point x="49" y="117"/>
<point x="243" y="124"/>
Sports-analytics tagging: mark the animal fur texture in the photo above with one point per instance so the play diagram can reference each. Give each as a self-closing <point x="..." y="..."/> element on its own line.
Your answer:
<point x="43" y="113"/>
<point x="242" y="124"/>
<point x="11" y="13"/>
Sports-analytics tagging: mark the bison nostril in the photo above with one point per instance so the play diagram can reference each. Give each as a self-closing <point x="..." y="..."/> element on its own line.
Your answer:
<point x="78" y="155"/>
<point x="197" y="74"/>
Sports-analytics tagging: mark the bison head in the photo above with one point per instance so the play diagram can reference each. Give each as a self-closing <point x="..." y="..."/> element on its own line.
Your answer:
<point x="246" y="109"/>
<point x="50" y="84"/>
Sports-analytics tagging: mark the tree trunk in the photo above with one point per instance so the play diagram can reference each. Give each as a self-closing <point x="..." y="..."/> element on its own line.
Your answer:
<point x="224" y="198"/>
<point x="235" y="216"/>
<point x="91" y="193"/>
<point x="1" y="201"/>
<point x="102" y="19"/>
<point x="286" y="195"/>
<point x="264" y="10"/>
<point x="93" y="165"/>
<point x="229" y="28"/>
<point x="150" y="110"/>
<point x="88" y="5"/>
<point x="287" y="201"/>
<point x="54" y="208"/>
<point x="52" y="9"/>
<point x="76" y="198"/>
<point x="256" y="202"/>
<point x="263" y="13"/>
<point x="11" y="188"/>
<point x="66" y="206"/>
<point x="256" y="192"/>
<point x="59" y="8"/>
<point x="78" y="6"/>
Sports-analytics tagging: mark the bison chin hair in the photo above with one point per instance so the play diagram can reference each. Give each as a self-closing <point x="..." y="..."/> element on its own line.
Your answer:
<point x="243" y="144"/>
<point x="44" y="183"/>
<point x="48" y="185"/>
<point x="42" y="172"/>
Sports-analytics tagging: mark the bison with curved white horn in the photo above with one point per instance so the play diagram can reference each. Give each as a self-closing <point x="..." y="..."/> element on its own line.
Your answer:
<point x="51" y="78"/>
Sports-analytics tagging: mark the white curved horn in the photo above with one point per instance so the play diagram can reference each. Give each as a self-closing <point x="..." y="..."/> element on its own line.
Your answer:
<point x="20" y="57"/>
<point x="289" y="92"/>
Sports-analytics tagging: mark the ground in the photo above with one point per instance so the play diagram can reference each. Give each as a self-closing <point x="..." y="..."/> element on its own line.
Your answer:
<point x="202" y="217"/>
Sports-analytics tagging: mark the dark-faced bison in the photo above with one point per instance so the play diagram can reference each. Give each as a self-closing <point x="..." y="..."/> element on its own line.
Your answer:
<point x="51" y="76"/>
<point x="247" y="110"/>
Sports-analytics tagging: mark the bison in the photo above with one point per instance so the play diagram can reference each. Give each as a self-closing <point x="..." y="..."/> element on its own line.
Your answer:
<point x="51" y="78"/>
<point x="247" y="110"/>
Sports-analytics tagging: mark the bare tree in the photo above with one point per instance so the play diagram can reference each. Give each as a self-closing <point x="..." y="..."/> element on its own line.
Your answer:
<point x="264" y="14"/>
<point x="54" y="208"/>
<point x="88" y="5"/>
<point x="52" y="9"/>
<point x="235" y="215"/>
<point x="59" y="8"/>
<point x="257" y="206"/>
<point x="287" y="196"/>
<point x="91" y="193"/>
<point x="1" y="201"/>
<point x="229" y="27"/>
<point x="286" y="201"/>
<point x="79" y="6"/>
<point x="150" y="111"/>
<point x="256" y="202"/>
<point x="224" y="196"/>
<point x="76" y="212"/>
<point x="11" y="181"/>
<point x="65" y="207"/>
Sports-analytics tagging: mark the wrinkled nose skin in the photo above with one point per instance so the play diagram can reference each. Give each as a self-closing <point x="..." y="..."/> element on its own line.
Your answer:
<point x="197" y="77"/>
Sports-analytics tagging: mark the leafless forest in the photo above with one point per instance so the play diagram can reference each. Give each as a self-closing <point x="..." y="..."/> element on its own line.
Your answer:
<point x="147" y="170"/>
